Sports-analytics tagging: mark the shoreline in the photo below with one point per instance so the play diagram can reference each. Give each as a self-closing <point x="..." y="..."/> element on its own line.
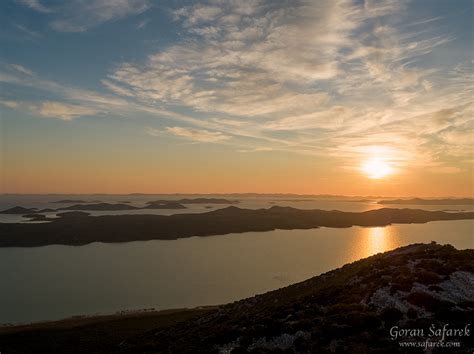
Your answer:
<point x="89" y="320"/>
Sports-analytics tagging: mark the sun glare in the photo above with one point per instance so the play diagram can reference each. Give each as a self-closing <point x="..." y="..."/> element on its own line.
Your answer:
<point x="376" y="168"/>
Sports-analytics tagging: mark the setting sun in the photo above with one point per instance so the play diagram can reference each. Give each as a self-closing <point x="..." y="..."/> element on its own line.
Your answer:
<point x="376" y="168"/>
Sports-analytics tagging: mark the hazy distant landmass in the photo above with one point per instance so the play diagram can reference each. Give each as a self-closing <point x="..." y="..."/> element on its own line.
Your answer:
<point x="419" y="201"/>
<point x="297" y="200"/>
<point x="96" y="207"/>
<point x="80" y="228"/>
<point x="198" y="201"/>
<point x="47" y="210"/>
<point x="19" y="210"/>
<point x="347" y="310"/>
<point x="165" y="204"/>
<point x="114" y="207"/>
<point x="64" y="201"/>
<point x="99" y="206"/>
<point x="357" y="200"/>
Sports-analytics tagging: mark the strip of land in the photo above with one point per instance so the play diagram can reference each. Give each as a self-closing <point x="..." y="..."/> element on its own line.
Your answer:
<point x="90" y="334"/>
<point x="79" y="228"/>
<point x="419" y="201"/>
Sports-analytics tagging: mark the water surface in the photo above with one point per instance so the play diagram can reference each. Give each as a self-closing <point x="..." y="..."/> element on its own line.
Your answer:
<point x="54" y="282"/>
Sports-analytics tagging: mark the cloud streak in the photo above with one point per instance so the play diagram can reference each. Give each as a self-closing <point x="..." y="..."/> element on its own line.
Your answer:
<point x="63" y="111"/>
<point x="200" y="135"/>
<point x="79" y="16"/>
<point x="35" y="5"/>
<point x="82" y="15"/>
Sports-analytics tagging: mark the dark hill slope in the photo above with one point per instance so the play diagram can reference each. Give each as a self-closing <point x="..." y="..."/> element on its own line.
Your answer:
<point x="348" y="310"/>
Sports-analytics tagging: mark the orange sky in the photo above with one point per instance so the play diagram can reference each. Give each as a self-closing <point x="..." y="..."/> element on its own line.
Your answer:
<point x="320" y="97"/>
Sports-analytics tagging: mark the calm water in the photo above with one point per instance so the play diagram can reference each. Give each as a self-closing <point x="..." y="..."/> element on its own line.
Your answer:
<point x="55" y="282"/>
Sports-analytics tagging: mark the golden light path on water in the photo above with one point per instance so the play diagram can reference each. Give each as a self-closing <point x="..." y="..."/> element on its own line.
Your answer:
<point x="373" y="240"/>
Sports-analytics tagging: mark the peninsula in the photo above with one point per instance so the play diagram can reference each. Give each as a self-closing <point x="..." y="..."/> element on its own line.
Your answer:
<point x="420" y="201"/>
<point x="79" y="228"/>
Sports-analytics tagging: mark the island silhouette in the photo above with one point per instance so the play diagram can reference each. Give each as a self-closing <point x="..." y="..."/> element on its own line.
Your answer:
<point x="79" y="228"/>
<point x="420" y="201"/>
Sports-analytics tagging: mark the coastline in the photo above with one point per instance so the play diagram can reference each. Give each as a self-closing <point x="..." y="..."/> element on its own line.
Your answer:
<point x="91" y="320"/>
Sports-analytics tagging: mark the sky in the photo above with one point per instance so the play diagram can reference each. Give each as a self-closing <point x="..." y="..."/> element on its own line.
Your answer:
<point x="311" y="97"/>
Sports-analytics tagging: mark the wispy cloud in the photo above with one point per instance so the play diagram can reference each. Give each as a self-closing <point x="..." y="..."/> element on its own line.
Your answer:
<point x="35" y="5"/>
<point x="143" y="23"/>
<point x="82" y="15"/>
<point x="64" y="111"/>
<point x="31" y="34"/>
<point x="257" y="149"/>
<point x="200" y="135"/>
<point x="246" y="60"/>
<point x="51" y="109"/>
<point x="21" y="69"/>
<point x="9" y="104"/>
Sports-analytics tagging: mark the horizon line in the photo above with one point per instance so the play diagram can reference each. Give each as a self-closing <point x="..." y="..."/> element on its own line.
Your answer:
<point x="241" y="194"/>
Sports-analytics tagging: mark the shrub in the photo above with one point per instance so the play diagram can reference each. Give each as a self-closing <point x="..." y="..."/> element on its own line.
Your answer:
<point x="391" y="315"/>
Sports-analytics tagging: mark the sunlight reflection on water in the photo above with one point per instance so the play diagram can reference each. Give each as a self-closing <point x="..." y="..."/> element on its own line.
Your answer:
<point x="373" y="240"/>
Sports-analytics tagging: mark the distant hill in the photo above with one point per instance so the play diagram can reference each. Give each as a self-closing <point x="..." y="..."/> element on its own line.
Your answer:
<point x="77" y="201"/>
<point x="419" y="201"/>
<point x="99" y="206"/>
<point x="112" y="207"/>
<point x="353" y="309"/>
<point x="165" y="204"/>
<point x="198" y="201"/>
<point x="18" y="210"/>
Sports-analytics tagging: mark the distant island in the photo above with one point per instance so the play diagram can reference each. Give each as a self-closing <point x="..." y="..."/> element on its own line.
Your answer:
<point x="356" y="200"/>
<point x="96" y="207"/>
<point x="166" y="204"/>
<point x="19" y="210"/>
<point x="198" y="201"/>
<point x="114" y="207"/>
<point x="79" y="228"/>
<point x="64" y="201"/>
<point x="99" y="206"/>
<point x="419" y="201"/>
<point x="347" y="310"/>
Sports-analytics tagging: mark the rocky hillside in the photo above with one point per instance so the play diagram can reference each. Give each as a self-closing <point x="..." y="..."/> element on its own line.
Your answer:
<point x="358" y="308"/>
<point x="388" y="303"/>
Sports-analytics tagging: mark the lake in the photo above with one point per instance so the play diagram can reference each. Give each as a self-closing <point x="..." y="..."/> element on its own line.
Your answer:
<point x="54" y="282"/>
